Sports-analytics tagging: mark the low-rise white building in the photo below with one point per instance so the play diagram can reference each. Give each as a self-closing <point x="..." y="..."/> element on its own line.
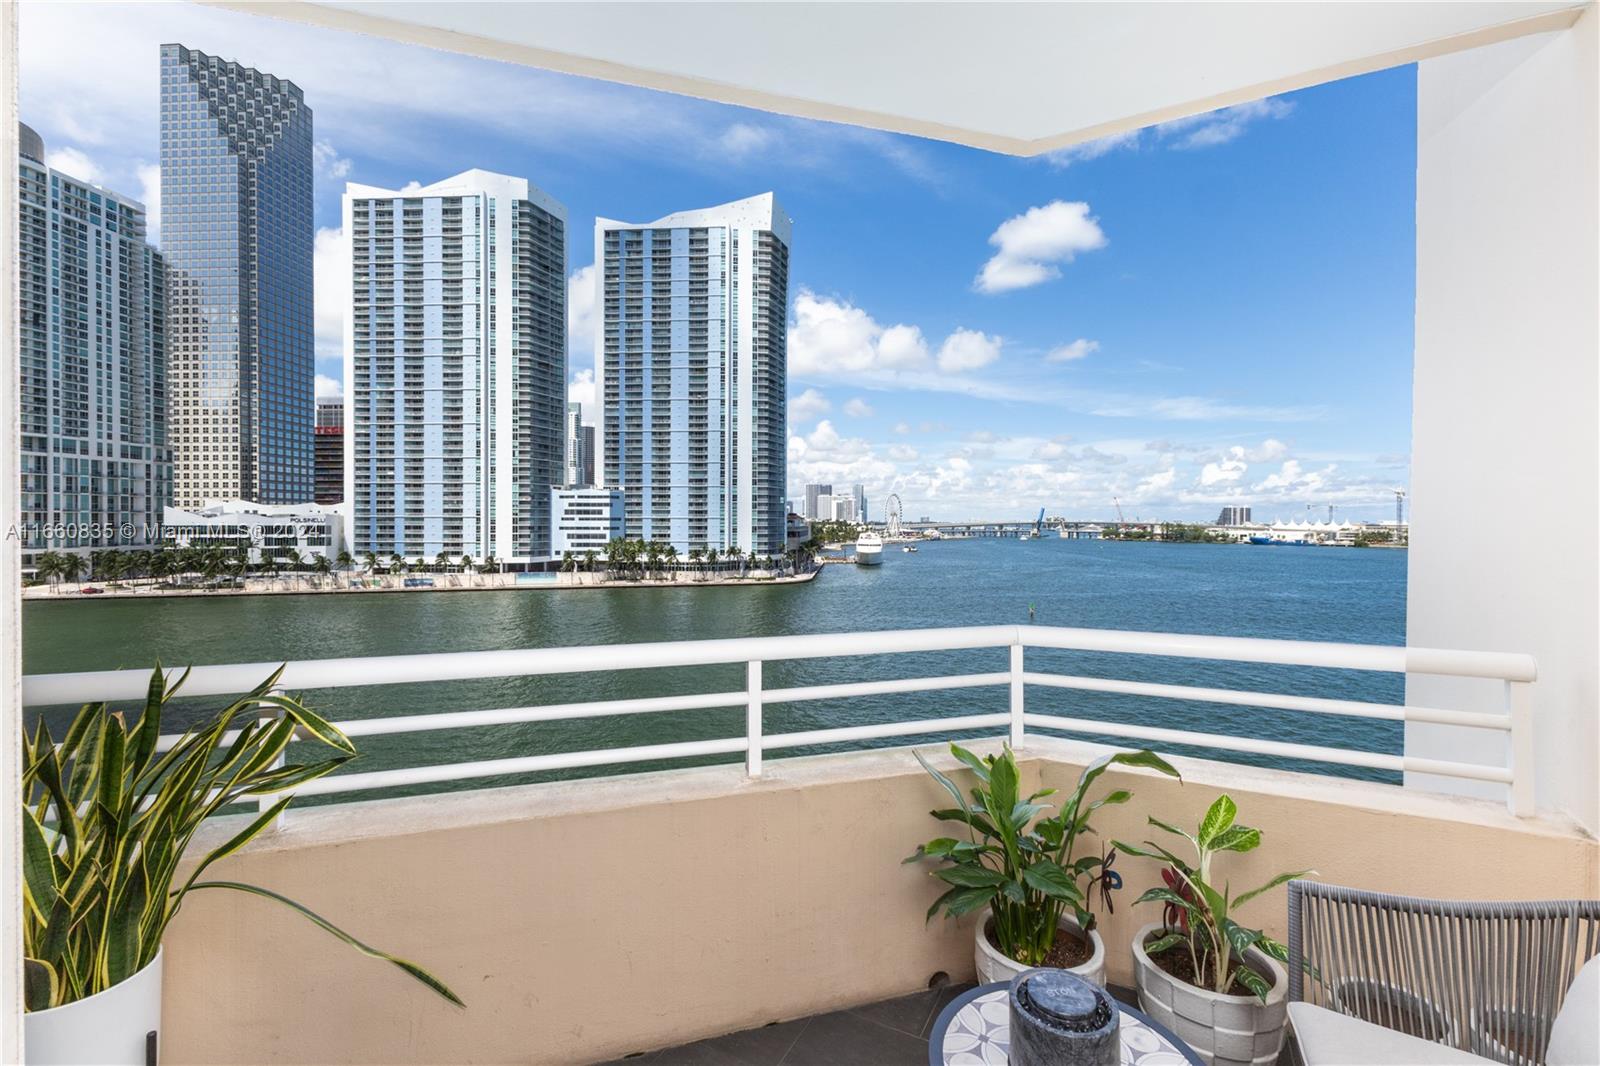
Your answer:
<point x="797" y="531"/>
<point x="261" y="529"/>
<point x="583" y="520"/>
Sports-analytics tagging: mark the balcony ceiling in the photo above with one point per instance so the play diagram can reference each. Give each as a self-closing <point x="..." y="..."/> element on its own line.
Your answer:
<point x="1019" y="78"/>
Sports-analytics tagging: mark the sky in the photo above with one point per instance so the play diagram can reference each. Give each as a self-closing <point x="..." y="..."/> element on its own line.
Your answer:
<point x="1214" y="311"/>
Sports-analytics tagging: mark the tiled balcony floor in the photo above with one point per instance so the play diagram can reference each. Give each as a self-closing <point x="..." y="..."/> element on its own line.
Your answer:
<point x="891" y="1033"/>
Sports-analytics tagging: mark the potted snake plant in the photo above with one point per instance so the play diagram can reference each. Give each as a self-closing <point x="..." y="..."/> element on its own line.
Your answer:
<point x="1218" y="984"/>
<point x="107" y="818"/>
<point x="1024" y="867"/>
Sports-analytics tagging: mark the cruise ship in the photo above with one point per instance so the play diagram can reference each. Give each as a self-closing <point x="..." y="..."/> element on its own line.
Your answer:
<point x="869" y="549"/>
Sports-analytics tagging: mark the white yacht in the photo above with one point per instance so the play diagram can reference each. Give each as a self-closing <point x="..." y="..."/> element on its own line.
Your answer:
<point x="869" y="549"/>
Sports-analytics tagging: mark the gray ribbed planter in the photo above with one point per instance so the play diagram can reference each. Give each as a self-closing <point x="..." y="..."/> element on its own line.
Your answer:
<point x="1223" y="1030"/>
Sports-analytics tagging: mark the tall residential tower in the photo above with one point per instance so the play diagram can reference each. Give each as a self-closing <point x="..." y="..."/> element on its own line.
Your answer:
<point x="691" y="372"/>
<point x="96" y="469"/>
<point x="455" y="368"/>
<point x="237" y="232"/>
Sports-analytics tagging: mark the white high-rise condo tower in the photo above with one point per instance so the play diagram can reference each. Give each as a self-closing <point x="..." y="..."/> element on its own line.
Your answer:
<point x="691" y="368"/>
<point x="455" y="368"/>
<point x="96" y="469"/>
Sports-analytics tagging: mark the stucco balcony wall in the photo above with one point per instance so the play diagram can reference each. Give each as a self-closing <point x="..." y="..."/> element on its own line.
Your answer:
<point x="584" y="920"/>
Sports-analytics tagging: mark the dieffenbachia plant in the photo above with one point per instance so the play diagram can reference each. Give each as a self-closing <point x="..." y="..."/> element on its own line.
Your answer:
<point x="1195" y="914"/>
<point x="107" y="818"/>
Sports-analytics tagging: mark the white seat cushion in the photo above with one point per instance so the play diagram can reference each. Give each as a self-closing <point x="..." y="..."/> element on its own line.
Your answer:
<point x="1328" y="1038"/>
<point x="1575" y="1034"/>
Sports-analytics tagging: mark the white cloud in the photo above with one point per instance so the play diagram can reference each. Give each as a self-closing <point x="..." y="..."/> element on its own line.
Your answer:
<point x="1220" y="127"/>
<point x="1226" y="472"/>
<point x="74" y="163"/>
<point x="808" y="405"/>
<point x="829" y="336"/>
<point x="1157" y="482"/>
<point x="328" y="388"/>
<point x="150" y="192"/>
<point x="331" y="280"/>
<point x="1199" y="409"/>
<point x="968" y="349"/>
<point x="1193" y="131"/>
<point x="1078" y="349"/>
<point x="1062" y="158"/>
<point x="856" y="407"/>
<point x="580" y="390"/>
<point x="580" y="312"/>
<point x="328" y="163"/>
<point x="1032" y="243"/>
<point x="744" y="139"/>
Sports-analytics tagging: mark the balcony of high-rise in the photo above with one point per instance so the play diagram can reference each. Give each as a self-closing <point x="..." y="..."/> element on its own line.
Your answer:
<point x="667" y="823"/>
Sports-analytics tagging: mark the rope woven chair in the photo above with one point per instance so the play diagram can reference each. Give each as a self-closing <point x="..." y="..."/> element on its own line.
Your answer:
<point x="1485" y="978"/>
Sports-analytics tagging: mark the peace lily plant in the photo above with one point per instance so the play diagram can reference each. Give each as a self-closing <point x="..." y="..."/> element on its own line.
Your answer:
<point x="107" y="818"/>
<point x="1018" y="861"/>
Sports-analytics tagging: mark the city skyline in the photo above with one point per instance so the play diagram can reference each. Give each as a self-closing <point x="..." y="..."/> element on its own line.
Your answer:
<point x="1211" y="312"/>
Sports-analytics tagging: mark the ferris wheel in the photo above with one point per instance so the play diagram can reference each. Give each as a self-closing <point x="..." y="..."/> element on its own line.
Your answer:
<point x="892" y="516"/>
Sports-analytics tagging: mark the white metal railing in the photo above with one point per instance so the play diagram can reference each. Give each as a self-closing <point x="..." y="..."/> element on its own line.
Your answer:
<point x="1514" y="672"/>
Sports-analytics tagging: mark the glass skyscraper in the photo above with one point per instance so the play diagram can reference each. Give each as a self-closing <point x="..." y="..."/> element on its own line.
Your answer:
<point x="455" y="368"/>
<point x="96" y="469"/>
<point x="238" y="234"/>
<point x="691" y="370"/>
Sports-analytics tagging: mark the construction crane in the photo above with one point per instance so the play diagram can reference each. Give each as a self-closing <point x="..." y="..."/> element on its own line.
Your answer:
<point x="1118" y="505"/>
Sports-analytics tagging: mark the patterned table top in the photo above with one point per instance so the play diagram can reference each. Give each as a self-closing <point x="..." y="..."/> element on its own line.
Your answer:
<point x="975" y="1030"/>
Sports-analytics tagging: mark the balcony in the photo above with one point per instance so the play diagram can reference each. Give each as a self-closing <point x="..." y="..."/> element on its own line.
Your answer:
<point x="767" y="886"/>
<point x="751" y="876"/>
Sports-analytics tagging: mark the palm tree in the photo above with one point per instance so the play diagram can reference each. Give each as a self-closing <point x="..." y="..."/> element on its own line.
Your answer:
<point x="297" y="563"/>
<point x="695" y="557"/>
<point x="72" y="567"/>
<point x="397" y="564"/>
<point x="160" y="564"/>
<point x="48" y="566"/>
<point x="490" y="564"/>
<point x="588" y="560"/>
<point x="466" y="565"/>
<point x="344" y="563"/>
<point x="736" y="553"/>
<point x="568" y="563"/>
<point x="322" y="566"/>
<point x="671" y="552"/>
<point x="109" y="565"/>
<point x="442" y="561"/>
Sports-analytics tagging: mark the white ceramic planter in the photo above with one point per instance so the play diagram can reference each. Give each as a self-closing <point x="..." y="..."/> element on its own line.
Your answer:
<point x="110" y="1028"/>
<point x="993" y="966"/>
<point x="1223" y="1030"/>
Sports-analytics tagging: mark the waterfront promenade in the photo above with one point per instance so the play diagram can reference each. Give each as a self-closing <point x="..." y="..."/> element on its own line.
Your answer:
<point x="319" y="584"/>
